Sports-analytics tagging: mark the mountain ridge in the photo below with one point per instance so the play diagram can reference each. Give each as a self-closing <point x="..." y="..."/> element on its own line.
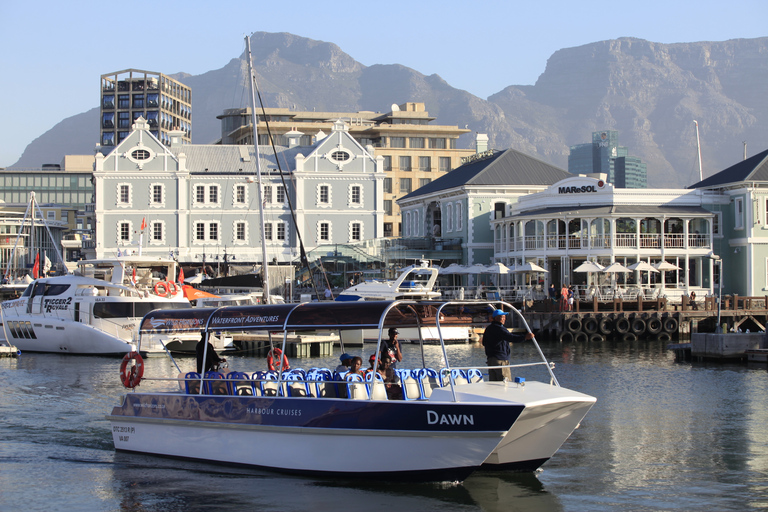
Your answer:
<point x="650" y="92"/>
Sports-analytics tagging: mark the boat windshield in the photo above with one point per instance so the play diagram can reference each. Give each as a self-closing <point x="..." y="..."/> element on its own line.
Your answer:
<point x="132" y="309"/>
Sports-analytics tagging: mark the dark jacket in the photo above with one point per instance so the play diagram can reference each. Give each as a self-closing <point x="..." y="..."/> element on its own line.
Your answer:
<point x="211" y="358"/>
<point x="496" y="340"/>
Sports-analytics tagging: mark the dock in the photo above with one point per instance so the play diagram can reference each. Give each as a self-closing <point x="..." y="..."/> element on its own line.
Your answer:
<point x="297" y="345"/>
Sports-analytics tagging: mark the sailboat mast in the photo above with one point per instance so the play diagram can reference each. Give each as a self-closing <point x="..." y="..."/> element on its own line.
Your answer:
<point x="264" y="266"/>
<point x="698" y="148"/>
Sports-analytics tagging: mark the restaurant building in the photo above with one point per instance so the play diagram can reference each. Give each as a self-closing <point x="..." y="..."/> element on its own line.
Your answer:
<point x="585" y="218"/>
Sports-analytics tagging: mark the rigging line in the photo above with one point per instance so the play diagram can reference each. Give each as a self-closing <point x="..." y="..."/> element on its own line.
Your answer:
<point x="303" y="253"/>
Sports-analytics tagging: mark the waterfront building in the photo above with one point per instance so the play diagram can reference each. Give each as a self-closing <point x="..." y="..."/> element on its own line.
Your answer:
<point x="414" y="151"/>
<point x="585" y="218"/>
<point x="604" y="155"/>
<point x="449" y="219"/>
<point x="742" y="218"/>
<point x="164" y="103"/>
<point x="200" y="203"/>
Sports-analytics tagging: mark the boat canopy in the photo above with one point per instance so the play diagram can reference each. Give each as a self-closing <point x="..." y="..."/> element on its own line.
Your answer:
<point x="313" y="316"/>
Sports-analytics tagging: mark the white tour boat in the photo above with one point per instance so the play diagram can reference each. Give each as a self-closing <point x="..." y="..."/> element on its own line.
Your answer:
<point x="416" y="282"/>
<point x="96" y="310"/>
<point x="447" y="422"/>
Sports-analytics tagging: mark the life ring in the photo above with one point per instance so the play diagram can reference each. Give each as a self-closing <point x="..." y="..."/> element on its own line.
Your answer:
<point x="273" y="360"/>
<point x="131" y="378"/>
<point x="167" y="287"/>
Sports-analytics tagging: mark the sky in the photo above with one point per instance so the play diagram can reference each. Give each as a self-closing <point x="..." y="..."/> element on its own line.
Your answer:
<point x="480" y="46"/>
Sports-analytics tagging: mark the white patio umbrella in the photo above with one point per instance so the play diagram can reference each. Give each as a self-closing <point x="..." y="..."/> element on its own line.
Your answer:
<point x="530" y="268"/>
<point x="615" y="268"/>
<point x="497" y="269"/>
<point x="663" y="266"/>
<point x="590" y="267"/>
<point x="643" y="266"/>
<point x="453" y="268"/>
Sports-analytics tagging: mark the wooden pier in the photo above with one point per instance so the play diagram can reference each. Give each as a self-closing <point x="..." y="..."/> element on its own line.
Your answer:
<point x="297" y="345"/>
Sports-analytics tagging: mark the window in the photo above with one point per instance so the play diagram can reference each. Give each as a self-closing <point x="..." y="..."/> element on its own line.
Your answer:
<point x="281" y="230"/>
<point x="738" y="213"/>
<point x="449" y="217"/>
<point x="388" y="207"/>
<point x="200" y="231"/>
<point x="125" y="231"/>
<point x="436" y="143"/>
<point x="459" y="222"/>
<point x="280" y="194"/>
<point x="267" y="194"/>
<point x="356" y="232"/>
<point x="387" y="162"/>
<point x="445" y="163"/>
<point x="425" y="163"/>
<point x="239" y="194"/>
<point x="213" y="194"/>
<point x="388" y="229"/>
<point x="405" y="184"/>
<point x="157" y="231"/>
<point x="324" y="195"/>
<point x="108" y="101"/>
<point x="417" y="142"/>
<point x="407" y="223"/>
<point x="123" y="120"/>
<point x="213" y="231"/>
<point x="388" y="185"/>
<point x="268" y="231"/>
<point x="123" y="101"/>
<point x="716" y="223"/>
<point x="108" y="139"/>
<point x="355" y="194"/>
<point x="152" y="100"/>
<point x="108" y="120"/>
<point x="157" y="194"/>
<point x="124" y="192"/>
<point x="200" y="194"/>
<point x="424" y="181"/>
<point x="138" y="101"/>
<point x="405" y="163"/>
<point x="340" y="156"/>
<point x="240" y="232"/>
<point x="325" y="230"/>
<point x="397" y="142"/>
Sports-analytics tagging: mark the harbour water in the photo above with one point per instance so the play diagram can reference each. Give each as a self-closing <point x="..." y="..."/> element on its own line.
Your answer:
<point x="662" y="436"/>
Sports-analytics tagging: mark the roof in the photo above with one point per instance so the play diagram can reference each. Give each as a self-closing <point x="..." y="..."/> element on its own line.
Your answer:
<point x="236" y="158"/>
<point x="608" y="210"/>
<point x="754" y="168"/>
<point x="505" y="168"/>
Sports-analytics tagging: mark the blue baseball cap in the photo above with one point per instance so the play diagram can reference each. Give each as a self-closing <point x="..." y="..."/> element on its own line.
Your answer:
<point x="345" y="356"/>
<point x="498" y="312"/>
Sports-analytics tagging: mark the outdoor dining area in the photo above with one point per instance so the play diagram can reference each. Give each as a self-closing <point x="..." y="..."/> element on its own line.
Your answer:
<point x="495" y="282"/>
<point x="605" y="282"/>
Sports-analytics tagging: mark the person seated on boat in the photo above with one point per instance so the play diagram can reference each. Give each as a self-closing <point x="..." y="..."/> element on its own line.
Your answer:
<point x="391" y="347"/>
<point x="212" y="359"/>
<point x="496" y="340"/>
<point x="388" y="375"/>
<point x="355" y="366"/>
<point x="346" y="361"/>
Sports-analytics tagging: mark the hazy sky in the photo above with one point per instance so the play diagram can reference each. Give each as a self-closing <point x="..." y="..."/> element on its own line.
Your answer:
<point x="52" y="52"/>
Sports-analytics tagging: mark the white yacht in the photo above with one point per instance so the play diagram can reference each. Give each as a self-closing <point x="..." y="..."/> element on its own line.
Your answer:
<point x="416" y="282"/>
<point x="97" y="309"/>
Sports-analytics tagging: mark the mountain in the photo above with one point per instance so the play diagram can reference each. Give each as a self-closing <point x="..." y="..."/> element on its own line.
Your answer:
<point x="650" y="92"/>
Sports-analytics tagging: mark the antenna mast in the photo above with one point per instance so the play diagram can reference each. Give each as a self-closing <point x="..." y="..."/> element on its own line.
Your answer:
<point x="265" y="263"/>
<point x="698" y="149"/>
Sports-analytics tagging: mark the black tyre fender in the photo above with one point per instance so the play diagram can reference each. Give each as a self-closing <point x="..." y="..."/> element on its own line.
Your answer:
<point x="605" y="326"/>
<point x="671" y="324"/>
<point x="653" y="326"/>
<point x="566" y="337"/>
<point x="590" y="325"/>
<point x="664" y="336"/>
<point x="596" y="338"/>
<point x="581" y="337"/>
<point x="629" y="336"/>
<point x="638" y="326"/>
<point x="622" y="325"/>
<point x="573" y="325"/>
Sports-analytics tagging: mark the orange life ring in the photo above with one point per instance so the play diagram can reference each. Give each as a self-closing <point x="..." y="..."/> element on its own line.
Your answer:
<point x="131" y="378"/>
<point x="274" y="357"/>
<point x="167" y="287"/>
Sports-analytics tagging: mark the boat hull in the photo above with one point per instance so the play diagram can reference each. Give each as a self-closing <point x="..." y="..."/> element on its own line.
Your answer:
<point x="55" y="335"/>
<point x="355" y="438"/>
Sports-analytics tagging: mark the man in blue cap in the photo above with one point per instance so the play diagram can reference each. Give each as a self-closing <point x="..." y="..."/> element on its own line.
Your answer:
<point x="496" y="340"/>
<point x="346" y="362"/>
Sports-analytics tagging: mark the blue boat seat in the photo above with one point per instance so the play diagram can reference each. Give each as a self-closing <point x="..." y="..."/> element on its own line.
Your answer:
<point x="192" y="383"/>
<point x="410" y="384"/>
<point x="215" y="384"/>
<point x="454" y="375"/>
<point x="474" y="375"/>
<point x="268" y="382"/>
<point x="321" y="383"/>
<point x="428" y="380"/>
<point x="375" y="386"/>
<point x="240" y="384"/>
<point x="296" y="386"/>
<point x="356" y="389"/>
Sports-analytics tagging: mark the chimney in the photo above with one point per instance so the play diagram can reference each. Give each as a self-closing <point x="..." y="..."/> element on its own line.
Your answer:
<point x="177" y="137"/>
<point x="294" y="138"/>
<point x="481" y="142"/>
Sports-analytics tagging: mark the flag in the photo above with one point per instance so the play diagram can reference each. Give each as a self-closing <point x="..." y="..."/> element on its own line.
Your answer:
<point x="181" y="275"/>
<point x="133" y="276"/>
<point x="36" y="267"/>
<point x="143" y="223"/>
<point x="119" y="253"/>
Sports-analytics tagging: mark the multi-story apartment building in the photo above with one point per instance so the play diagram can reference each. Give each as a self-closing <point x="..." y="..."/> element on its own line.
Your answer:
<point x="604" y="155"/>
<point x="414" y="152"/>
<point x="165" y="103"/>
